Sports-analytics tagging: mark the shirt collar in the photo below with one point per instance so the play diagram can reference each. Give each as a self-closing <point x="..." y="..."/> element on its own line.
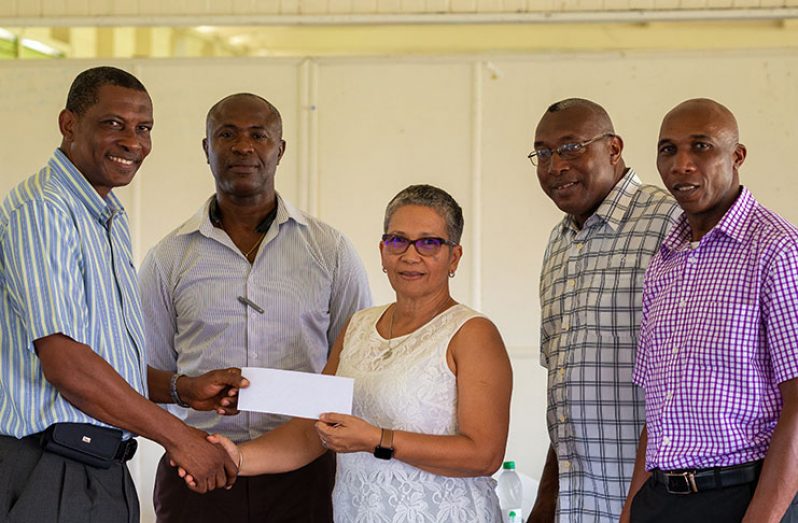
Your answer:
<point x="201" y="220"/>
<point x="102" y="209"/>
<point x="614" y="207"/>
<point x="734" y="224"/>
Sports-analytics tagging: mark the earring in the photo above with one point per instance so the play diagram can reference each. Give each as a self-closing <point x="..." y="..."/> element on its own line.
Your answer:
<point x="451" y="274"/>
<point x="385" y="270"/>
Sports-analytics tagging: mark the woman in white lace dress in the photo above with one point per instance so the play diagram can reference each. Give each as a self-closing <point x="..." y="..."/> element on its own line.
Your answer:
<point x="432" y="388"/>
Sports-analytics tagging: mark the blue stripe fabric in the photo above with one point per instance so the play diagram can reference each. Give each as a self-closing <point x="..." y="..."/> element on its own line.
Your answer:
<point x="66" y="266"/>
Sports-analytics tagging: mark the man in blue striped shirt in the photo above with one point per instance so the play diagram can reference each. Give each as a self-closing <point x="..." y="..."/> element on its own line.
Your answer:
<point x="72" y="356"/>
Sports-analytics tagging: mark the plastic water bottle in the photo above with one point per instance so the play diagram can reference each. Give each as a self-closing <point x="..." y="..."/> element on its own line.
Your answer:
<point x="510" y="493"/>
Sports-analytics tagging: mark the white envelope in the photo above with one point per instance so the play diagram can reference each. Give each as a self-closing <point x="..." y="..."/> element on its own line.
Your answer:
<point x="297" y="394"/>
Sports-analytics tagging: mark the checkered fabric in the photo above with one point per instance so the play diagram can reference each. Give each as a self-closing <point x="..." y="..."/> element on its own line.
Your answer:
<point x="719" y="333"/>
<point x="590" y="292"/>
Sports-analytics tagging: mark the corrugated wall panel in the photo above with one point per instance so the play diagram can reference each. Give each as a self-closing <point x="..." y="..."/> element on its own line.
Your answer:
<point x="32" y="9"/>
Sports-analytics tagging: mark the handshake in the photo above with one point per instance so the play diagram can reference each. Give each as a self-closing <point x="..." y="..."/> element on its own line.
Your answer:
<point x="206" y="462"/>
<point x="214" y="461"/>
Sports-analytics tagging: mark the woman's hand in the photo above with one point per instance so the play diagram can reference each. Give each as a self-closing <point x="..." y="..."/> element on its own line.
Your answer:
<point x="231" y="448"/>
<point x="344" y="433"/>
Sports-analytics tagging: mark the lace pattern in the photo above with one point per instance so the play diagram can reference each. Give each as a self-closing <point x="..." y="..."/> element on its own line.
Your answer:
<point x="407" y="388"/>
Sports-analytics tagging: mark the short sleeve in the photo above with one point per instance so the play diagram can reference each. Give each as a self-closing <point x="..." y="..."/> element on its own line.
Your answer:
<point x="43" y="270"/>
<point x="639" y="372"/>
<point x="780" y="313"/>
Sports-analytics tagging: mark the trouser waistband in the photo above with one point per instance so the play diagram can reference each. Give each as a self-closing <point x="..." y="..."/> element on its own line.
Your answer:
<point x="699" y="480"/>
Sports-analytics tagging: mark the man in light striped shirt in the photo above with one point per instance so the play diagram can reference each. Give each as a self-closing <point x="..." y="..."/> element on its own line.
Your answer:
<point x="72" y="363"/>
<point x="248" y="281"/>
<point x="590" y="294"/>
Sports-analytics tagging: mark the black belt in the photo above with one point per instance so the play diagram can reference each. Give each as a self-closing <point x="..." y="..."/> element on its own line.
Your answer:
<point x="692" y="481"/>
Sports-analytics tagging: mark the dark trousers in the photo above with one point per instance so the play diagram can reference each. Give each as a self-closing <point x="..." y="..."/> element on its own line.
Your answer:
<point x="300" y="496"/>
<point x="654" y="504"/>
<point x="41" y="487"/>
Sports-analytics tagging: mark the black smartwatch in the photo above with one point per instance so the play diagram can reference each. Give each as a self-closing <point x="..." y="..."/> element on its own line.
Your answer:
<point x="385" y="449"/>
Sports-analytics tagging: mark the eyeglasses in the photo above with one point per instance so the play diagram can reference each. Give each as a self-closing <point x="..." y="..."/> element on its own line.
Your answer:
<point x="567" y="151"/>
<point x="428" y="246"/>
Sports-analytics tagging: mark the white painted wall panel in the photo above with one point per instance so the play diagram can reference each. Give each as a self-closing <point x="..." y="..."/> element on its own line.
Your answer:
<point x="8" y="8"/>
<point x="389" y="6"/>
<point x="383" y="126"/>
<point x="364" y="6"/>
<point x="30" y="8"/>
<point x="290" y="7"/>
<point x="462" y="6"/>
<point x="57" y="7"/>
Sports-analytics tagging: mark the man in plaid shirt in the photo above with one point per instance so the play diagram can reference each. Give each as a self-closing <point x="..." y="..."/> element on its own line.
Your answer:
<point x="590" y="293"/>
<point x="718" y="353"/>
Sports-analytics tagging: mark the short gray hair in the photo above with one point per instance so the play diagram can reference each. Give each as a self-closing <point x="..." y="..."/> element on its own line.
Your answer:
<point x="436" y="199"/>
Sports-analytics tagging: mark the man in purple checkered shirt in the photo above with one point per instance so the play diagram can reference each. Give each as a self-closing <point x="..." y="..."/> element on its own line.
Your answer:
<point x="718" y="351"/>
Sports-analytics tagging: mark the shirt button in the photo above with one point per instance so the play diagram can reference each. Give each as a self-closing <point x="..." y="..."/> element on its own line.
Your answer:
<point x="669" y="395"/>
<point x="682" y="304"/>
<point x="666" y="440"/>
<point x="675" y="349"/>
<point x="565" y="325"/>
<point x="571" y="284"/>
<point x="565" y="466"/>
<point x="691" y="259"/>
<point x="562" y="419"/>
<point x="561" y="372"/>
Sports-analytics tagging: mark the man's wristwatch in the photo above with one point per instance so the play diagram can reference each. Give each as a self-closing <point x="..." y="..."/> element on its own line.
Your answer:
<point x="385" y="449"/>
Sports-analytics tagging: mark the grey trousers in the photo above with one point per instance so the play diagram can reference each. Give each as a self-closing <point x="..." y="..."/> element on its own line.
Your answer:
<point x="41" y="487"/>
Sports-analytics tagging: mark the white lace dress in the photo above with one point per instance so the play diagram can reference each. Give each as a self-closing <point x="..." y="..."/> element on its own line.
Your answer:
<point x="408" y="388"/>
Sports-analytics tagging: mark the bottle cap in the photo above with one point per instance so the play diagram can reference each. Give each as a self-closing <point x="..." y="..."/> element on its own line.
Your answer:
<point x="508" y="465"/>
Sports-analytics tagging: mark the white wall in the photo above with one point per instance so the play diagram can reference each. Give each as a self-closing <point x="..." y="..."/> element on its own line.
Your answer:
<point x="358" y="130"/>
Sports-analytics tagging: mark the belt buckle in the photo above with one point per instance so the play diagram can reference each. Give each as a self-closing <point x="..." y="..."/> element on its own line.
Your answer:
<point x="681" y="482"/>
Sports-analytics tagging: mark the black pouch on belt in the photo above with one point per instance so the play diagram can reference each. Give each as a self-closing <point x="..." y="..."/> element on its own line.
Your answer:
<point x="89" y="444"/>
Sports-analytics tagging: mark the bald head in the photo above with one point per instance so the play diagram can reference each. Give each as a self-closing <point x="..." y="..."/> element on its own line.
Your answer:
<point x="276" y="120"/>
<point x="705" y="112"/>
<point x="698" y="158"/>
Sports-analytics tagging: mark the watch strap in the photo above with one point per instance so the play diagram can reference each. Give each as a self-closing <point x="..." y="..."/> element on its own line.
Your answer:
<point x="386" y="439"/>
<point x="385" y="448"/>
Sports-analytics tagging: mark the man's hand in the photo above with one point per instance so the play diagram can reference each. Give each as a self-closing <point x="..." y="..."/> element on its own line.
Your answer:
<point x="215" y="390"/>
<point x="543" y="513"/>
<point x="545" y="508"/>
<point x="209" y="465"/>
